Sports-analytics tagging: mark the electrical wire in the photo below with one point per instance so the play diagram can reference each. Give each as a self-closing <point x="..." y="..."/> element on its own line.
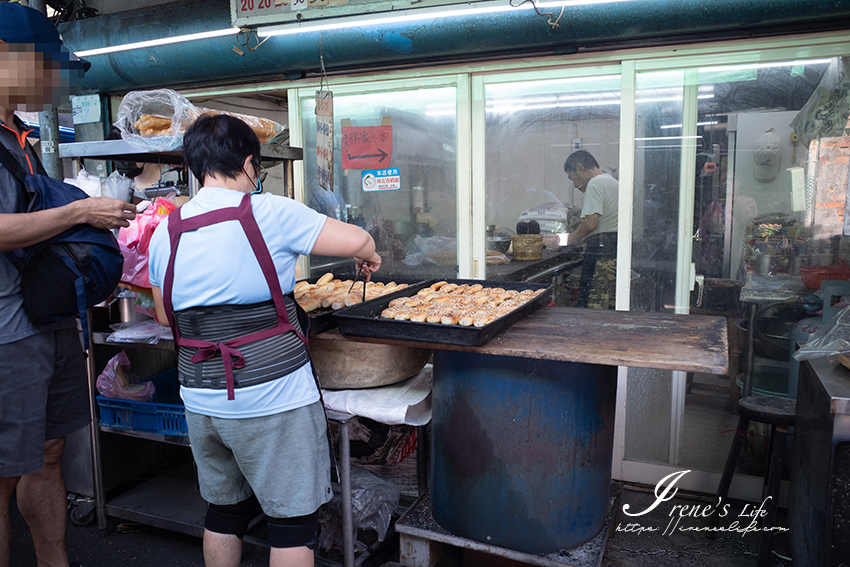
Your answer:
<point x="246" y="33"/>
<point x="542" y="14"/>
<point x="73" y="10"/>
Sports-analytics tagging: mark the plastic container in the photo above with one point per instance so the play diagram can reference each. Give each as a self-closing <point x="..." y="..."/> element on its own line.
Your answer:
<point x="767" y="381"/>
<point x="163" y="415"/>
<point x="812" y="276"/>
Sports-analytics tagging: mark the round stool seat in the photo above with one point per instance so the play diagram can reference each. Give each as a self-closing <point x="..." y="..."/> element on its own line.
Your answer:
<point x="768" y="409"/>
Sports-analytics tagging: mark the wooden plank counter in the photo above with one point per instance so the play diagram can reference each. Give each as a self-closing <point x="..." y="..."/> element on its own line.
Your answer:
<point x="690" y="343"/>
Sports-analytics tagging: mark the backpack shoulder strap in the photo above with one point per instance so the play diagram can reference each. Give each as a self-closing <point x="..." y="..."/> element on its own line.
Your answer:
<point x="8" y="160"/>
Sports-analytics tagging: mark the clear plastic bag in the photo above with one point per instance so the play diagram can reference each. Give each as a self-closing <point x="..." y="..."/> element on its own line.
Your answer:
<point x="440" y="250"/>
<point x="373" y="501"/>
<point x="91" y="184"/>
<point x="116" y="381"/>
<point x="830" y="340"/>
<point x="825" y="113"/>
<point x="146" y="332"/>
<point x="118" y="186"/>
<point x="156" y="120"/>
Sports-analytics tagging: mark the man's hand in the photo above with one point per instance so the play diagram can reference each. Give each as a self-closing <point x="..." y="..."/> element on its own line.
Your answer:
<point x="556" y="240"/>
<point x="19" y="230"/>
<point x="106" y="212"/>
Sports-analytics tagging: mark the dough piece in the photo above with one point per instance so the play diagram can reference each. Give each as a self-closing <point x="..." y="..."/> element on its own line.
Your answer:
<point x="419" y="317"/>
<point x="448" y="288"/>
<point x="301" y="287"/>
<point x="484" y="319"/>
<point x="346" y="300"/>
<point x="309" y="302"/>
<point x="403" y="314"/>
<point x="152" y="125"/>
<point x="434" y="317"/>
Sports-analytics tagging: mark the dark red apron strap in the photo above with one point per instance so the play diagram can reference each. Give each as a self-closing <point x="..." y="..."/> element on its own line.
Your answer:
<point x="264" y="257"/>
<point x="174" y="231"/>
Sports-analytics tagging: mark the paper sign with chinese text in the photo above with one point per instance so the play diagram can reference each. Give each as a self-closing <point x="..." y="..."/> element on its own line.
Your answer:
<point x="387" y="179"/>
<point x="86" y="109"/>
<point x="255" y="7"/>
<point x="366" y="147"/>
<point x="325" y="139"/>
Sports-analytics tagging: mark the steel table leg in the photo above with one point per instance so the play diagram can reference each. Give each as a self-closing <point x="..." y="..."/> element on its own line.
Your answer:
<point x="345" y="489"/>
<point x="97" y="469"/>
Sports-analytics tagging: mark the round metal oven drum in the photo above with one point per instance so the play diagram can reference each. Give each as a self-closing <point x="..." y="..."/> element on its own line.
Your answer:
<point x="345" y="365"/>
<point x="522" y="450"/>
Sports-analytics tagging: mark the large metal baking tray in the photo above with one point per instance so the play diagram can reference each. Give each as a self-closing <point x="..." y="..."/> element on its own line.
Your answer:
<point x="364" y="320"/>
<point x="322" y="320"/>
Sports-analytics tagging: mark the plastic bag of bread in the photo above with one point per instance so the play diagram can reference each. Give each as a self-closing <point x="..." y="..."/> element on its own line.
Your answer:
<point x="265" y="129"/>
<point x="156" y="120"/>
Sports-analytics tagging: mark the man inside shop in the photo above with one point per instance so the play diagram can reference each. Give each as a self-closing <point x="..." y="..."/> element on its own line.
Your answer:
<point x="598" y="231"/>
<point x="43" y="387"/>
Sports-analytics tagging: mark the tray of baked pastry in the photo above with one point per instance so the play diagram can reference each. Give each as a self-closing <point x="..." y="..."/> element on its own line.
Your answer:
<point x="455" y="312"/>
<point x="321" y="297"/>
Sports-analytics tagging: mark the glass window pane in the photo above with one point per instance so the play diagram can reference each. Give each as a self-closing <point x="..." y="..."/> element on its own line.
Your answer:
<point x="532" y="126"/>
<point x="750" y="219"/>
<point x="423" y="209"/>
<point x="658" y="148"/>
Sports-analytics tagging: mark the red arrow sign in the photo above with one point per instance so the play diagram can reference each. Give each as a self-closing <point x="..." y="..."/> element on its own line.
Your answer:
<point x="366" y="147"/>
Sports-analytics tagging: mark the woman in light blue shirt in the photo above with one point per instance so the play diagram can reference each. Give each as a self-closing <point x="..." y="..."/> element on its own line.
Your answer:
<point x="222" y="269"/>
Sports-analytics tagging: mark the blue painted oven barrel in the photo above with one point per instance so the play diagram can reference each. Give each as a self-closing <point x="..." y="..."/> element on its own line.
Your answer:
<point x="522" y="449"/>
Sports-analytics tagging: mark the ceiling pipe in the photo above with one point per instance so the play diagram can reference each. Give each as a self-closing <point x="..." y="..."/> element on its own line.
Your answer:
<point x="372" y="47"/>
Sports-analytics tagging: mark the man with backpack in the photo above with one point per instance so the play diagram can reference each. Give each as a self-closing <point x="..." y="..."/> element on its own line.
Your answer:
<point x="43" y="386"/>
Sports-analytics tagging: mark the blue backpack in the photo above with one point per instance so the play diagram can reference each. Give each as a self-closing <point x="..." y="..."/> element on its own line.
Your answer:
<point x="74" y="270"/>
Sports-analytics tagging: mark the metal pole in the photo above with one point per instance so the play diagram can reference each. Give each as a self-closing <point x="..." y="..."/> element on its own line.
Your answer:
<point x="97" y="469"/>
<point x="345" y="489"/>
<point x="48" y="124"/>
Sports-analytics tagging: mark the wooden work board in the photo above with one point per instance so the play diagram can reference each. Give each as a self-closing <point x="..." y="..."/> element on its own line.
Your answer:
<point x="690" y="343"/>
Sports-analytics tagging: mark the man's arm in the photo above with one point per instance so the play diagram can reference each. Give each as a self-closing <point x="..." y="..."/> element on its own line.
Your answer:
<point x="588" y="225"/>
<point x="25" y="229"/>
<point x="576" y="237"/>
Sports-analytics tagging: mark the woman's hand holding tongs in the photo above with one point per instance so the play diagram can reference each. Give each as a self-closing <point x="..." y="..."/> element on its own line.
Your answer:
<point x="369" y="266"/>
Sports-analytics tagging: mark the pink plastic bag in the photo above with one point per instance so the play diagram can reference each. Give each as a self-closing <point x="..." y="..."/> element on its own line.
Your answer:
<point x="135" y="239"/>
<point x="116" y="381"/>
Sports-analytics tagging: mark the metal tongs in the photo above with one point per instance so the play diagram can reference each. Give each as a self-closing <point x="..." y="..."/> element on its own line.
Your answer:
<point x="360" y="271"/>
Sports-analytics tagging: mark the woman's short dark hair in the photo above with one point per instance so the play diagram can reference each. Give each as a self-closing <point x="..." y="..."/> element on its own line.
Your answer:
<point x="218" y="144"/>
<point x="582" y="157"/>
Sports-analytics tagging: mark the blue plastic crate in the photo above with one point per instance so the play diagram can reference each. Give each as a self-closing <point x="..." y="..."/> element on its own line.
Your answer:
<point x="162" y="415"/>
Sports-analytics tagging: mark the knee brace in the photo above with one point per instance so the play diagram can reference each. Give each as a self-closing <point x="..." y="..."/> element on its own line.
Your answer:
<point x="294" y="532"/>
<point x="232" y="518"/>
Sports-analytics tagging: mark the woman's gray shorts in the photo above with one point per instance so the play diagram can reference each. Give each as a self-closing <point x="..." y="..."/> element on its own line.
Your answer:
<point x="282" y="458"/>
<point x="43" y="395"/>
